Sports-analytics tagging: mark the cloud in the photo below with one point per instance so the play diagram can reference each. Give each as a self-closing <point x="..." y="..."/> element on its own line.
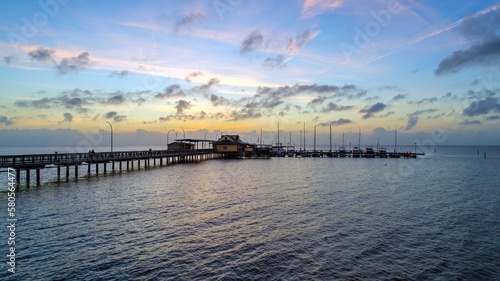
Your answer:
<point x="42" y="54"/>
<point x="419" y="112"/>
<point x="205" y="88"/>
<point x="252" y="42"/>
<point x="171" y="91"/>
<point x="317" y="100"/>
<point x="192" y="75"/>
<point x="482" y="29"/>
<point x="480" y="107"/>
<point x="118" y="99"/>
<point x="64" y="101"/>
<point x="339" y="122"/>
<point x="9" y="59"/>
<point x="5" y="120"/>
<point x="182" y="105"/>
<point x="218" y="100"/>
<point x="412" y="122"/>
<point x="335" y="107"/>
<point x="277" y="62"/>
<point x="119" y="74"/>
<point x="110" y="114"/>
<point x="486" y="54"/>
<point x="73" y="64"/>
<point x="399" y="97"/>
<point x="245" y="113"/>
<point x="68" y="117"/>
<point x="312" y="8"/>
<point x="188" y="19"/>
<point x="370" y="110"/>
<point x="470" y="122"/>
<point x="493" y="117"/>
<point x="114" y="115"/>
<point x="295" y="44"/>
<point x="425" y="101"/>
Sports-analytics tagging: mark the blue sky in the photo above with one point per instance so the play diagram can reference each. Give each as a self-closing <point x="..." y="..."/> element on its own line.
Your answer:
<point x="239" y="66"/>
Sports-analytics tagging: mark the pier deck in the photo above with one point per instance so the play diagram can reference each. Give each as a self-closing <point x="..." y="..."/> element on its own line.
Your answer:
<point x="67" y="160"/>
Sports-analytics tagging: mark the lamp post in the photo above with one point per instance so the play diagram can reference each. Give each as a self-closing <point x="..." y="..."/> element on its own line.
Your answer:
<point x="111" y="135"/>
<point x="167" y="136"/>
<point x="205" y="138"/>
<point x="183" y="143"/>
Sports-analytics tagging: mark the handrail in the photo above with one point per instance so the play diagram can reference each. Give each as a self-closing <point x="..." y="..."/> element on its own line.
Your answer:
<point x="78" y="158"/>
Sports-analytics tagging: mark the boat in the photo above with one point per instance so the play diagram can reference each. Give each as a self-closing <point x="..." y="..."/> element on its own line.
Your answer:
<point x="342" y="152"/>
<point x="369" y="152"/>
<point x="356" y="152"/>
<point x="382" y="152"/>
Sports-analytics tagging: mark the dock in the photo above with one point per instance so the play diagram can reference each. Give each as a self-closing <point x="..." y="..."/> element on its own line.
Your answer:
<point x="109" y="161"/>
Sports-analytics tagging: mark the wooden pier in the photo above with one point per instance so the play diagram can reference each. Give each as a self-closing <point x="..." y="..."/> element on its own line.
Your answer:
<point x="115" y="161"/>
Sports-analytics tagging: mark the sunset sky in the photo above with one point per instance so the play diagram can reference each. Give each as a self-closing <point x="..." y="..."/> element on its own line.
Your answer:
<point x="240" y="66"/>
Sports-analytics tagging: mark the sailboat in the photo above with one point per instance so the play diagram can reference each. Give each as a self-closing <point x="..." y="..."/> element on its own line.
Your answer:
<point x="356" y="151"/>
<point x="342" y="151"/>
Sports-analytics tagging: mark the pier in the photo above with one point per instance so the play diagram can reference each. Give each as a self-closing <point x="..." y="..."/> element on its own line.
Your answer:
<point x="108" y="161"/>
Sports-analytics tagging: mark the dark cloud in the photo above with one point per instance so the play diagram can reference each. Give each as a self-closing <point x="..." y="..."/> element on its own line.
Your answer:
<point x="493" y="117"/>
<point x="487" y="54"/>
<point x="317" y="100"/>
<point x="419" y="112"/>
<point x="425" y="101"/>
<point x="5" y="120"/>
<point x="412" y="122"/>
<point x="68" y="117"/>
<point x="119" y="74"/>
<point x="171" y="91"/>
<point x="110" y="114"/>
<point x="73" y="64"/>
<point x="182" y="105"/>
<point x="391" y="88"/>
<point x="118" y="99"/>
<point x="64" y="101"/>
<point x="252" y="42"/>
<point x="370" y="110"/>
<point x="188" y="19"/>
<point x="481" y="29"/>
<point x="399" y="97"/>
<point x="277" y="62"/>
<point x="470" y="122"/>
<point x="193" y="75"/>
<point x="42" y="54"/>
<point x="295" y="44"/>
<point x="9" y="59"/>
<point x="205" y="88"/>
<point x="335" y="107"/>
<point x="218" y="100"/>
<point x="119" y="118"/>
<point x="483" y="106"/>
<point x="245" y="113"/>
<point x="339" y="122"/>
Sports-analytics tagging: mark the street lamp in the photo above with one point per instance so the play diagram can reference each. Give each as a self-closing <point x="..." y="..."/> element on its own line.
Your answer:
<point x="111" y="135"/>
<point x="167" y="136"/>
<point x="183" y="143"/>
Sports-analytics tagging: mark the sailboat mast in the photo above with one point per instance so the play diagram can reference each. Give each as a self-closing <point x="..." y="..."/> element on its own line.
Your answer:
<point x="330" y="137"/>
<point x="304" y="135"/>
<point x="278" y="134"/>
<point x="395" y="140"/>
<point x="314" y="138"/>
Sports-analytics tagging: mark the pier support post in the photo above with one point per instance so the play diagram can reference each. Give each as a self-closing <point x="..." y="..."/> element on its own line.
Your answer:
<point x="38" y="176"/>
<point x="76" y="172"/>
<point x="58" y="172"/>
<point x="120" y="166"/>
<point x="88" y="169"/>
<point x="132" y="164"/>
<point x="27" y="175"/>
<point x="128" y="162"/>
<point x="67" y="172"/>
<point x="161" y="162"/>
<point x="18" y="175"/>
<point x="105" y="168"/>
<point x="112" y="166"/>
<point x="97" y="168"/>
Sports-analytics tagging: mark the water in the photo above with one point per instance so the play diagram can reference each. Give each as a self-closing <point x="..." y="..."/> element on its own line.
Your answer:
<point x="435" y="217"/>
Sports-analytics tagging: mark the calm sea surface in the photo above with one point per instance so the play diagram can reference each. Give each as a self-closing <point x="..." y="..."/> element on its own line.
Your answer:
<point x="436" y="217"/>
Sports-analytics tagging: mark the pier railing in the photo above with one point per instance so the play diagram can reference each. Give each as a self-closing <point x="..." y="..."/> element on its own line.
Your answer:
<point x="41" y="160"/>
